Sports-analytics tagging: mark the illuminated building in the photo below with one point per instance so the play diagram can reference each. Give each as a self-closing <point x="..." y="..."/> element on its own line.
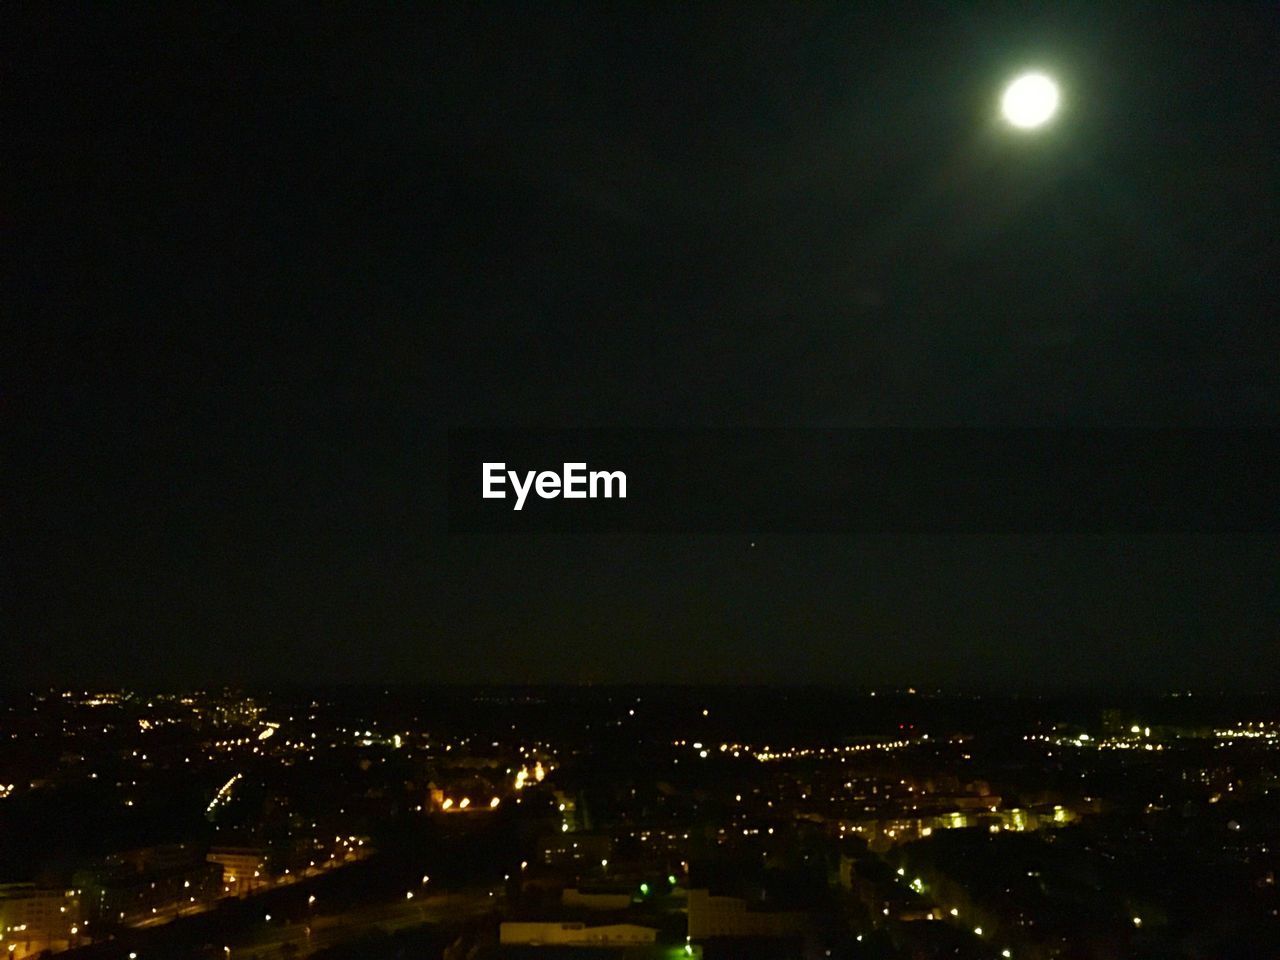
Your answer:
<point x="577" y="934"/>
<point x="244" y="869"/>
<point x="33" y="919"/>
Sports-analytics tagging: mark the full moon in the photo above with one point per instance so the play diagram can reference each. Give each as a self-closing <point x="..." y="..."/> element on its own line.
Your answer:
<point x="1030" y="100"/>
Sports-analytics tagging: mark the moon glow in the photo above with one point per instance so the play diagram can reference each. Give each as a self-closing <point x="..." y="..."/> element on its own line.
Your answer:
<point x="1030" y="101"/>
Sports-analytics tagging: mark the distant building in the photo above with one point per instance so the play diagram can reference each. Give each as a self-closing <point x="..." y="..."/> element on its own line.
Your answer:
<point x="137" y="885"/>
<point x="576" y="934"/>
<point x="713" y="916"/>
<point x="596" y="899"/>
<point x="574" y="849"/>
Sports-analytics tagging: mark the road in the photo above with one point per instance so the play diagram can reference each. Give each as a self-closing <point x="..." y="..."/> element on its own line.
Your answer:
<point x="331" y="929"/>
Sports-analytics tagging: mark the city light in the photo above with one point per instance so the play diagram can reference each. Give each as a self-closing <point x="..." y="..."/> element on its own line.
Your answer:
<point x="836" y="778"/>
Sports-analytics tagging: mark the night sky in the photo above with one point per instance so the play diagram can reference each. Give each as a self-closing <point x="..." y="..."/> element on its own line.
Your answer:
<point x="257" y="265"/>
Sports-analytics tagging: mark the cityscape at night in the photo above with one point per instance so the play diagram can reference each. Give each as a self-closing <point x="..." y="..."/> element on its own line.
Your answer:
<point x="640" y="481"/>
<point x="638" y="822"/>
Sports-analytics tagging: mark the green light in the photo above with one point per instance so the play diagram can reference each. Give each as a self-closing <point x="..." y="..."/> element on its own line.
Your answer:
<point x="671" y="879"/>
<point x="644" y="889"/>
